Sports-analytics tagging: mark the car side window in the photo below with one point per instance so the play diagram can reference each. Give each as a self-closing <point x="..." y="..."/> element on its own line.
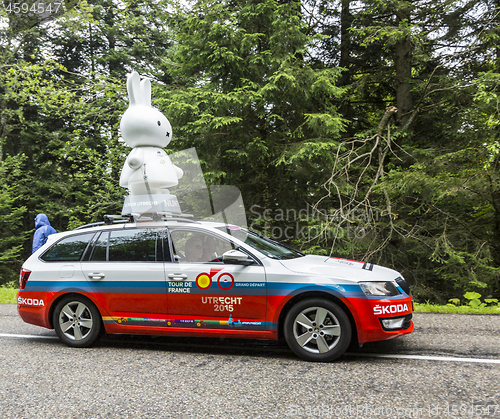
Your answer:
<point x="69" y="249"/>
<point x="100" y="248"/>
<point x="131" y="245"/>
<point x="198" y="246"/>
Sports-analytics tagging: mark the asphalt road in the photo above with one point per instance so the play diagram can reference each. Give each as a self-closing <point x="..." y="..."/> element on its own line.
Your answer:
<point x="448" y="368"/>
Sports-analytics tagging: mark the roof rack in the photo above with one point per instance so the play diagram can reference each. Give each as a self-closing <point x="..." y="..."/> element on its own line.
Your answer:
<point x="138" y="218"/>
<point x="89" y="225"/>
<point x="130" y="218"/>
<point x="180" y="220"/>
<point x="117" y="219"/>
<point x="108" y="220"/>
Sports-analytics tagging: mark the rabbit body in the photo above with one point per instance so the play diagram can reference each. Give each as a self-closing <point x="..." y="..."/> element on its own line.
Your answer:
<point x="148" y="169"/>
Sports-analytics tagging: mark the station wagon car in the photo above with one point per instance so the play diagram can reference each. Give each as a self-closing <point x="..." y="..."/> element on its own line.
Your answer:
<point x="188" y="278"/>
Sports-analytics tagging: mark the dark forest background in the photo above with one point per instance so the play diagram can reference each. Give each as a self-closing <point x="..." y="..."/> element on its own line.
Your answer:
<point x="368" y="130"/>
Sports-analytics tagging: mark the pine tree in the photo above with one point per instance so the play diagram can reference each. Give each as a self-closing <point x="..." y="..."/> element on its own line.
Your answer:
<point x="260" y="113"/>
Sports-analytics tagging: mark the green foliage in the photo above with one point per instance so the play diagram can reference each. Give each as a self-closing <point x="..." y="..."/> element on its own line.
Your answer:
<point x="11" y="224"/>
<point x="8" y="293"/>
<point x="451" y="308"/>
<point x="59" y="149"/>
<point x="473" y="299"/>
<point x="255" y="108"/>
<point x="285" y="100"/>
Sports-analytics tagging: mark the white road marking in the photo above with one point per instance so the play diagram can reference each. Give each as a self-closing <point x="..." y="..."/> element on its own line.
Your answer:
<point x="427" y="358"/>
<point x="11" y="335"/>
<point x="359" y="354"/>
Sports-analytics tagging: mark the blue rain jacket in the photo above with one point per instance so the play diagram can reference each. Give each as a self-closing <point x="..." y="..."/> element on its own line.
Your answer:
<point x="43" y="230"/>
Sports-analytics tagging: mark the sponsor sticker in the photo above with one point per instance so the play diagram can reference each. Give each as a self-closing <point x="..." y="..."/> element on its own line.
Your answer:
<point x="225" y="281"/>
<point x="179" y="287"/>
<point x="203" y="281"/>
<point x="390" y="309"/>
<point x="222" y="303"/>
<point x="30" y="302"/>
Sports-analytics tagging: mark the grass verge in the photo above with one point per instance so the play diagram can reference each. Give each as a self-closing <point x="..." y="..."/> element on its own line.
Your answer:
<point x="452" y="308"/>
<point x="8" y="295"/>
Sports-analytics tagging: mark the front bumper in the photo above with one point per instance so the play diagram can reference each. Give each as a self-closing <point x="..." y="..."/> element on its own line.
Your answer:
<point x="374" y="315"/>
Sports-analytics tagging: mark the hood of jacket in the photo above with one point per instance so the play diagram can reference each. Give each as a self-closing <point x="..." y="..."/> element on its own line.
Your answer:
<point x="41" y="220"/>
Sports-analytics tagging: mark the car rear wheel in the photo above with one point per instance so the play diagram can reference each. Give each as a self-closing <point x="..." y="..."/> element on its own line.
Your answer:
<point x="317" y="330"/>
<point x="77" y="321"/>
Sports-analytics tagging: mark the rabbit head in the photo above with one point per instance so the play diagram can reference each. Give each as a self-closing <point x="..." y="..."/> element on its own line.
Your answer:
<point x="141" y="124"/>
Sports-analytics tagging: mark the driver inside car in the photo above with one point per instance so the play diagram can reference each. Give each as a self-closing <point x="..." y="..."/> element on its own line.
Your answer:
<point x="194" y="249"/>
<point x="210" y="250"/>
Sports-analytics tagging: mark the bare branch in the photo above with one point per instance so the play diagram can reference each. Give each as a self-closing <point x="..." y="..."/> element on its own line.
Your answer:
<point x="353" y="168"/>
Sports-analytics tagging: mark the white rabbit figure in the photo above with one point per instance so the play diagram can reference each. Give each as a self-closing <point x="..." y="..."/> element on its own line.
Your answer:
<point x="148" y="169"/>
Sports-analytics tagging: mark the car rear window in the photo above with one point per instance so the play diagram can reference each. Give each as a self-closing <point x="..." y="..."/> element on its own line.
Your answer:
<point x="69" y="249"/>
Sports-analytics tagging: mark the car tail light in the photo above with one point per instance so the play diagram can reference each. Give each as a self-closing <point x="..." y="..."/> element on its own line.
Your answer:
<point x="23" y="278"/>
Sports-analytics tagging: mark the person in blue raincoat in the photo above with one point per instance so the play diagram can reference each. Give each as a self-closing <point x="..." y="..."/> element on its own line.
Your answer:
<point x="43" y="229"/>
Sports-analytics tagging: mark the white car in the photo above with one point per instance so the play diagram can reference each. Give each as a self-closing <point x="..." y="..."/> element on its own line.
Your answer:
<point x="188" y="278"/>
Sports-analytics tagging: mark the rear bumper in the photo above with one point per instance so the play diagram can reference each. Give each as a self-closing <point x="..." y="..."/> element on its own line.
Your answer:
<point x="33" y="307"/>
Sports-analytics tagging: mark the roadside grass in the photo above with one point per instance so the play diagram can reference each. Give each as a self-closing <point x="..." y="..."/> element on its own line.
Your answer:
<point x="452" y="308"/>
<point x="8" y="294"/>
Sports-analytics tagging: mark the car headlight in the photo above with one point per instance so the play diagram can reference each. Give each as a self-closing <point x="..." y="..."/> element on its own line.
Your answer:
<point x="385" y="288"/>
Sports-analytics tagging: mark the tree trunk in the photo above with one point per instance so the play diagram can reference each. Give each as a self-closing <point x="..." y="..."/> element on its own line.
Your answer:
<point x="495" y="243"/>
<point x="496" y="25"/>
<point x="403" y="66"/>
<point x="345" y="61"/>
<point x="345" y="43"/>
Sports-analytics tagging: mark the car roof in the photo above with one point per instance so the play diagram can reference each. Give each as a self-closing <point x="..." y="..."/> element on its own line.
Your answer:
<point x="95" y="227"/>
<point x="126" y="224"/>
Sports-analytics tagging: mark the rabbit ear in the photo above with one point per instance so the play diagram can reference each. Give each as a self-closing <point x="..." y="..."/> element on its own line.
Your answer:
<point x="134" y="88"/>
<point x="146" y="92"/>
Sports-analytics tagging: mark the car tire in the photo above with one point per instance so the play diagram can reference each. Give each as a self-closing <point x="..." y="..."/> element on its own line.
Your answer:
<point x="317" y="330"/>
<point x="77" y="321"/>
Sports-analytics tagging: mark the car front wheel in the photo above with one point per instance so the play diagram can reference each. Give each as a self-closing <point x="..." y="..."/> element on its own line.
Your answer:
<point x="77" y="321"/>
<point x="317" y="330"/>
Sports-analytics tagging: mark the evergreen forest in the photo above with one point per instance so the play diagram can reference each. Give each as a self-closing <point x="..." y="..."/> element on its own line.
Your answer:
<point x="367" y="130"/>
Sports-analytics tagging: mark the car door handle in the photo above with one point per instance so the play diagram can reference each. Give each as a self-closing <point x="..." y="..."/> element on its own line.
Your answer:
<point x="93" y="275"/>
<point x="177" y="277"/>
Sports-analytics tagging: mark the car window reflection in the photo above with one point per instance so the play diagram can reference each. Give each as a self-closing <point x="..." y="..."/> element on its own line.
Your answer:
<point x="197" y="247"/>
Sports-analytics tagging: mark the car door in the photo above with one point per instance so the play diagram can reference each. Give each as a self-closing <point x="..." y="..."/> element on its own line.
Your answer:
<point x="205" y="292"/>
<point x="125" y="270"/>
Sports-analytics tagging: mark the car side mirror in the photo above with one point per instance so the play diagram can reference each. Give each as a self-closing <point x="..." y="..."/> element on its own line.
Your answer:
<point x="235" y="257"/>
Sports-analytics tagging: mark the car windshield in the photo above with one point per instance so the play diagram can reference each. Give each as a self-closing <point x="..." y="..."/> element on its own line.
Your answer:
<point x="265" y="245"/>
